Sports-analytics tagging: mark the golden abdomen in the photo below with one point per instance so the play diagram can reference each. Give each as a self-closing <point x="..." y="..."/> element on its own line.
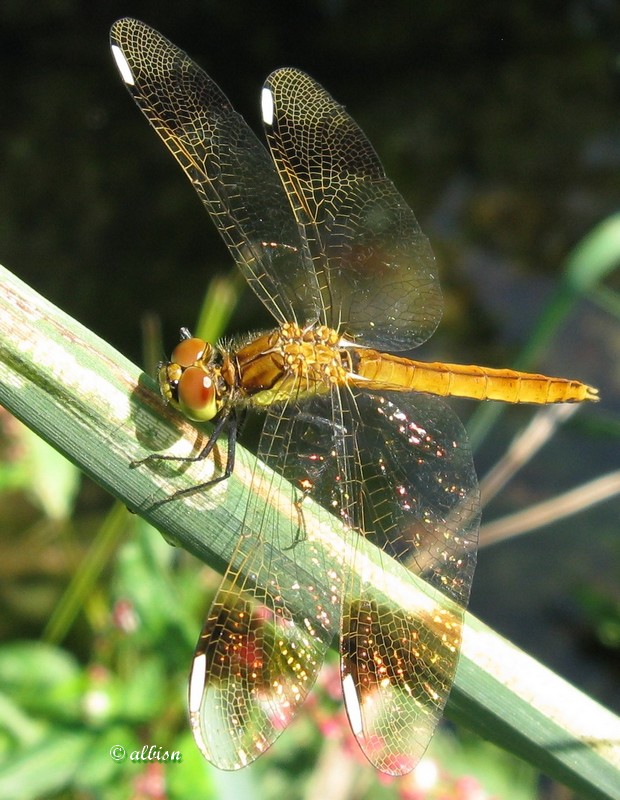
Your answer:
<point x="376" y="371"/>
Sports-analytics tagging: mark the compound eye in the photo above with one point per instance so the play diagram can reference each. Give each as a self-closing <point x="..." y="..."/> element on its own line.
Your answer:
<point x="196" y="395"/>
<point x="189" y="351"/>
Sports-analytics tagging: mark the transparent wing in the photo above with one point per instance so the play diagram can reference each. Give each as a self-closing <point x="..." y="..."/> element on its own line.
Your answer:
<point x="418" y="502"/>
<point x="273" y="618"/>
<point x="374" y="265"/>
<point x="397" y="470"/>
<point x="228" y="166"/>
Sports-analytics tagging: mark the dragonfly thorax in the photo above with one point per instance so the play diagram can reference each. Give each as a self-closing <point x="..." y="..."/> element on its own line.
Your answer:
<point x="287" y="363"/>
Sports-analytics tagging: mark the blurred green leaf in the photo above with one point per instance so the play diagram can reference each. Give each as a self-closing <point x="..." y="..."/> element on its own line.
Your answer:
<point x="223" y="294"/>
<point x="143" y="694"/>
<point x="145" y="576"/>
<point x="594" y="257"/>
<point x="35" y="667"/>
<point x="47" y="681"/>
<point x="54" y="481"/>
<point x="45" y="768"/>
<point x="81" y="587"/>
<point x="194" y="777"/>
<point x="99" y="772"/>
<point x="16" y="725"/>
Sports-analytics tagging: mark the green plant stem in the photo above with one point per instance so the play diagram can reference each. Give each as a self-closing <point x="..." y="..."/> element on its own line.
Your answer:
<point x="97" y="409"/>
<point x="586" y="266"/>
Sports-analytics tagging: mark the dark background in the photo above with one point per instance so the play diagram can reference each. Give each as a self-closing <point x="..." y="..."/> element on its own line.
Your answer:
<point x="500" y="124"/>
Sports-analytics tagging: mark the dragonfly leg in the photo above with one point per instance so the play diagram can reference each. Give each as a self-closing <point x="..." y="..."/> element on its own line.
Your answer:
<point x="300" y="533"/>
<point x="228" y="420"/>
<point x="204" y="453"/>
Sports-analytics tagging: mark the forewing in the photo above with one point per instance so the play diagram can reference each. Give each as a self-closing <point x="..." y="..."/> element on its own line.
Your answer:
<point x="375" y="267"/>
<point x="276" y="613"/>
<point x="228" y="166"/>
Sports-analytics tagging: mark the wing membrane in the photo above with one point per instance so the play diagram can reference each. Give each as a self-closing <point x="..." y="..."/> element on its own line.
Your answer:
<point x="271" y="622"/>
<point x="227" y="165"/>
<point x="397" y="471"/>
<point x="419" y="505"/>
<point x="374" y="265"/>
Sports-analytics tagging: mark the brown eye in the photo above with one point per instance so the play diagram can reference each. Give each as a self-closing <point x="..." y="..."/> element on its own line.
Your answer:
<point x="189" y="351"/>
<point x="196" y="394"/>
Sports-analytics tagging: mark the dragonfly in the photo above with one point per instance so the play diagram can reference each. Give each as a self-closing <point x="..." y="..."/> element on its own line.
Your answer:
<point x="336" y="255"/>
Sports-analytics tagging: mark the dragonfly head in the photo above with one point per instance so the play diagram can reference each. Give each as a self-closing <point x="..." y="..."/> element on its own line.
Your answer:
<point x="187" y="381"/>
